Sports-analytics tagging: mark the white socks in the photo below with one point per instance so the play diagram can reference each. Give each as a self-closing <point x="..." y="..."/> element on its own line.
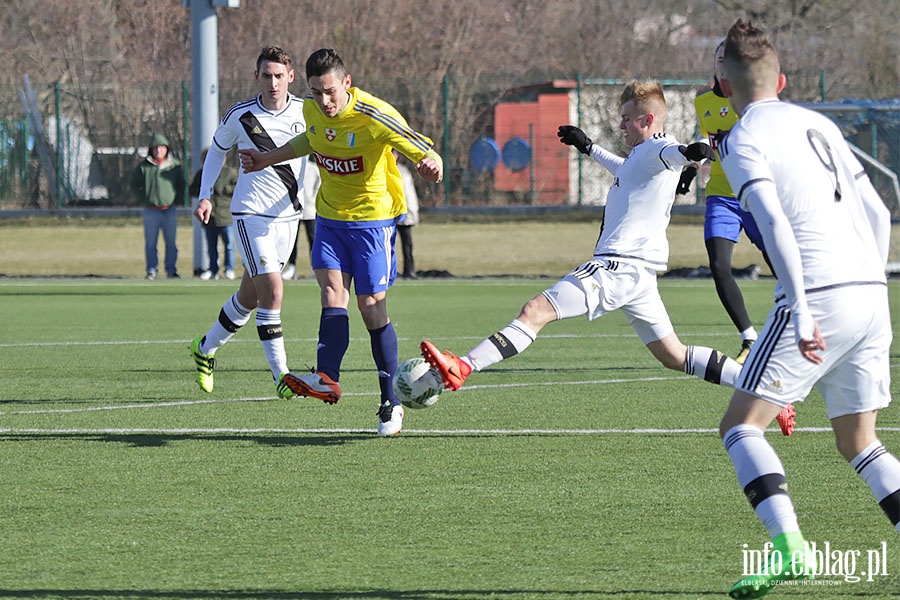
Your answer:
<point x="711" y="365"/>
<point x="881" y="471"/>
<point x="506" y="343"/>
<point x="271" y="336"/>
<point x="232" y="317"/>
<point x="761" y="475"/>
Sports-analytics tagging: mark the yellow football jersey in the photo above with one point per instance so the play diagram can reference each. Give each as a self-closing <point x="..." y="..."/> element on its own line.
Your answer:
<point x="360" y="179"/>
<point x="714" y="114"/>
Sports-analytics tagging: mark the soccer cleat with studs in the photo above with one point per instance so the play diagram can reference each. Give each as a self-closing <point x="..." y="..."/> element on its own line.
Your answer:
<point x="453" y="371"/>
<point x="390" y="418"/>
<point x="786" y="419"/>
<point x="314" y="385"/>
<point x="281" y="388"/>
<point x="206" y="364"/>
<point x="745" y="350"/>
<point x="790" y="560"/>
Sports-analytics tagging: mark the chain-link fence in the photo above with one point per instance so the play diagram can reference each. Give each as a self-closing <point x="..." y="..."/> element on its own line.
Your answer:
<point x="499" y="145"/>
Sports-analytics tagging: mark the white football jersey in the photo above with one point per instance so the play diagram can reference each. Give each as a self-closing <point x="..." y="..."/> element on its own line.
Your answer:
<point x="805" y="157"/>
<point x="275" y="191"/>
<point x="639" y="204"/>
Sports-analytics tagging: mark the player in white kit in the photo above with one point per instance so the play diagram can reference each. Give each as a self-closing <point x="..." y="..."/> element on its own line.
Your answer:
<point x="266" y="205"/>
<point x="631" y="249"/>
<point x="827" y="233"/>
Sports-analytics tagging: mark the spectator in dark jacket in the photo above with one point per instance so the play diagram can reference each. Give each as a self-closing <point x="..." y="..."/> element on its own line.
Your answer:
<point x="220" y="224"/>
<point x="158" y="182"/>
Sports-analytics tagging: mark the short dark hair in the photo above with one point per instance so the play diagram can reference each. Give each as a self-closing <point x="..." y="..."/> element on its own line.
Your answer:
<point x="750" y="58"/>
<point x="274" y="54"/>
<point x="324" y="60"/>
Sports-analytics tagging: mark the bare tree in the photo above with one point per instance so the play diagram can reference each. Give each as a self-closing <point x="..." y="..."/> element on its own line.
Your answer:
<point x="121" y="63"/>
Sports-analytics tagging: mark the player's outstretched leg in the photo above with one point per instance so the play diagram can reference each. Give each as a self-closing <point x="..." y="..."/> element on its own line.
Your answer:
<point x="790" y="559"/>
<point x="453" y="370"/>
<point x="206" y="364"/>
<point x="313" y="385"/>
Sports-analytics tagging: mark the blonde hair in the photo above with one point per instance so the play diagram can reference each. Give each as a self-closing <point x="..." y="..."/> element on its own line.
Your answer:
<point x="646" y="95"/>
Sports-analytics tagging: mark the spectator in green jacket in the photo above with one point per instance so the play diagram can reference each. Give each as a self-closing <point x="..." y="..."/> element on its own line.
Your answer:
<point x="158" y="182"/>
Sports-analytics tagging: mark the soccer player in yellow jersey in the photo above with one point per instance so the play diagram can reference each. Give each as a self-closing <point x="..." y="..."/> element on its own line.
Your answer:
<point x="724" y="216"/>
<point x="360" y="200"/>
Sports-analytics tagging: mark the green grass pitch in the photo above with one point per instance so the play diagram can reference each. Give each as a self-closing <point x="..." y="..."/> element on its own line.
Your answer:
<point x="579" y="470"/>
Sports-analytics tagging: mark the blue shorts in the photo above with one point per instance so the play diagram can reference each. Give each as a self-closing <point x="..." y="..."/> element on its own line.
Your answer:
<point x="725" y="218"/>
<point x="366" y="253"/>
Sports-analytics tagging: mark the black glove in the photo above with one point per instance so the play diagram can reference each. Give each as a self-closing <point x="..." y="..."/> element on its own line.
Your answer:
<point x="697" y="151"/>
<point x="687" y="176"/>
<point x="572" y="136"/>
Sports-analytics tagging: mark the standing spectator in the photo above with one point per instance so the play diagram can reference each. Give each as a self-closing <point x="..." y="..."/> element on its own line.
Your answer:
<point x="158" y="181"/>
<point x="311" y="181"/>
<point x="404" y="227"/>
<point x="220" y="224"/>
<point x="358" y="206"/>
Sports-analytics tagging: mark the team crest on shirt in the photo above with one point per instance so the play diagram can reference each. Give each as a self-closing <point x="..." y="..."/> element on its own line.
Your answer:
<point x="330" y="134"/>
<point x="723" y="112"/>
<point x="296" y="128"/>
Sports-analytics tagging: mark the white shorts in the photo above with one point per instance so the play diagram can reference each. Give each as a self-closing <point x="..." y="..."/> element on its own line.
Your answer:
<point x="854" y="376"/>
<point x="599" y="287"/>
<point x="265" y="243"/>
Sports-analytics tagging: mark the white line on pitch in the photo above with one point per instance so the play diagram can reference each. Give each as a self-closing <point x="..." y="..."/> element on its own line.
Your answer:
<point x="45" y="411"/>
<point x="333" y="431"/>
<point x="62" y="343"/>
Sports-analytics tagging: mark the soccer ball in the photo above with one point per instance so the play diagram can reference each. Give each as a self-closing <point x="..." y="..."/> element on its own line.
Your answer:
<point x="417" y="384"/>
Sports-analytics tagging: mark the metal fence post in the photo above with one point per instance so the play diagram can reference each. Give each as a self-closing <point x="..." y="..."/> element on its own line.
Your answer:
<point x="185" y="143"/>
<point x="446" y="149"/>
<point x="57" y="90"/>
<point x="578" y="86"/>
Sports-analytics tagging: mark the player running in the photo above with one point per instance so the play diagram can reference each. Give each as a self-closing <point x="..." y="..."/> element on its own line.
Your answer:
<point x="631" y="249"/>
<point x="827" y="233"/>
<point x="358" y="205"/>
<point x="266" y="208"/>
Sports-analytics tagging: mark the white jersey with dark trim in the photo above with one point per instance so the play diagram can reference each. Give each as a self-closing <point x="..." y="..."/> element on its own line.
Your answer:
<point x="639" y="204"/>
<point x="803" y="157"/>
<point x="275" y="191"/>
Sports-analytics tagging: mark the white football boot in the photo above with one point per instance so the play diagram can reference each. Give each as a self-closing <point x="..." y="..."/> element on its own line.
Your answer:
<point x="390" y="418"/>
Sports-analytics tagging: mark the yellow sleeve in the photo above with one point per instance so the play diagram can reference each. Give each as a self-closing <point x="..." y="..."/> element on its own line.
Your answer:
<point x="300" y="145"/>
<point x="435" y="157"/>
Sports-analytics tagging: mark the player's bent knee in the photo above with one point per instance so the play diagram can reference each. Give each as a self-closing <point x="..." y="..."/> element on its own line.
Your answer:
<point x="537" y="312"/>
